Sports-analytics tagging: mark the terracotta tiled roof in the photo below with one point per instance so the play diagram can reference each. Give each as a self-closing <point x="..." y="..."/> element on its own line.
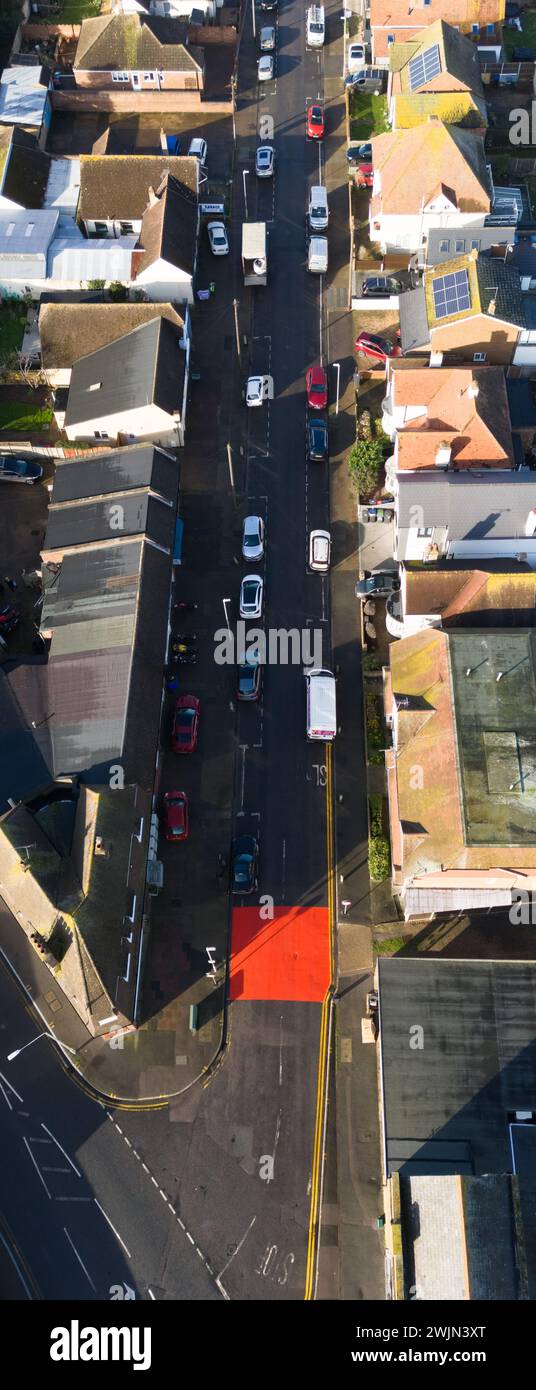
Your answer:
<point x="465" y="407"/>
<point x="415" y="164"/>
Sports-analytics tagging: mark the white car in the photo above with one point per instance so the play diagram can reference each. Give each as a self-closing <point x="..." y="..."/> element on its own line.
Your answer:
<point x="319" y="551"/>
<point x="251" y="596"/>
<point x="265" y="68"/>
<point x="264" y="162"/>
<point x="253" y="538"/>
<point x="219" y="241"/>
<point x="255" y="390"/>
<point x="267" y="39"/>
<point x="357" y="57"/>
<point x="198" y="149"/>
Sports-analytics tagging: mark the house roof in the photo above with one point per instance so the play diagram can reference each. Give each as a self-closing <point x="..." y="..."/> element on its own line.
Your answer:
<point x="23" y="96"/>
<point x="473" y="506"/>
<point x="454" y="108"/>
<point x="131" y="42"/>
<point x="415" y="165"/>
<point x="78" y="259"/>
<point x="493" y="289"/>
<point x="459" y="68"/>
<point x="446" y="1105"/>
<point x="26" y="170"/>
<point x="26" y="233"/>
<point x="169" y="228"/>
<point x="63" y="327"/>
<point x="394" y="14"/>
<point x="414" y="330"/>
<point x="102" y="475"/>
<point x="141" y="368"/>
<point x="142" y="482"/>
<point x="117" y="186"/>
<point x="458" y="240"/>
<point x="464" y="596"/>
<point x="465" y="407"/>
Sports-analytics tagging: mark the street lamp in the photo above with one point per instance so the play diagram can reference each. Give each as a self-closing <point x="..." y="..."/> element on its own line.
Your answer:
<point x="253" y="18"/>
<point x="338" y="366"/>
<point x="11" y="1055"/>
<point x="245" y="173"/>
<point x="225" y="601"/>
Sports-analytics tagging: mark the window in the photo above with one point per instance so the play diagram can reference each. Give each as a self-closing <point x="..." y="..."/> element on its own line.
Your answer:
<point x="444" y="246"/>
<point x="126" y="228"/>
<point x="459" y="247"/>
<point x="95" y="386"/>
<point x="100" y="434"/>
<point x="148" y="76"/>
<point x="10" y="228"/>
<point x="475" y="28"/>
<point x="101" y="228"/>
<point x="475" y="245"/>
<point x="490" y="29"/>
<point x="29" y="229"/>
<point x="451" y="294"/>
<point x="424" y="67"/>
<point x="479" y="357"/>
<point x="390" y="38"/>
<point x="120" y="77"/>
<point x="425" y="531"/>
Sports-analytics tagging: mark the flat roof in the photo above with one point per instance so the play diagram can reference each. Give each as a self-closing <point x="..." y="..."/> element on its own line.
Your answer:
<point x="22" y="96"/>
<point x="253" y="239"/>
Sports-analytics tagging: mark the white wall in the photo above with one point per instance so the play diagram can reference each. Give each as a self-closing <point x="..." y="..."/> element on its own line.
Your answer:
<point x="147" y="422"/>
<point x="407" y="231"/>
<point x="163" y="282"/>
<point x="510" y="547"/>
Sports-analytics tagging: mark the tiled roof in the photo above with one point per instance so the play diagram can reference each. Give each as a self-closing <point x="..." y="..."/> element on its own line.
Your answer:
<point x="117" y="186"/>
<point x="63" y="327"/>
<point x="133" y="42"/>
<point x="465" y="407"/>
<point x="415" y="164"/>
<point x="169" y="228"/>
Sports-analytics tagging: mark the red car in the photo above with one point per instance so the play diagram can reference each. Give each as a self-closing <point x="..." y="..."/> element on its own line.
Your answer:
<point x="315" y="121"/>
<point x="316" y="383"/>
<point x="371" y="345"/>
<point x="364" y="176"/>
<point x="176" y="816"/>
<point x="186" y="724"/>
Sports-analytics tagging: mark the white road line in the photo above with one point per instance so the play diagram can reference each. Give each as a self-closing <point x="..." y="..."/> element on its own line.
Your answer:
<point x="243" y="750"/>
<point x="9" y="1251"/>
<point x="48" y="1168"/>
<point x="112" y="1228"/>
<point x="36" y="1166"/>
<point x="58" y="1146"/>
<point x="6" y="1097"/>
<point x="9" y="1086"/>
<point x="284" y="871"/>
<point x="235" y="1253"/>
<point x="281" y="1050"/>
<point x="151" y="1294"/>
<point x="80" y="1260"/>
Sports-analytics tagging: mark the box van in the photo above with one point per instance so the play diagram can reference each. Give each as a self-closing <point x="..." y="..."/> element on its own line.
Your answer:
<point x="317" y="258"/>
<point x="321" y="706"/>
<point x="315" y="26"/>
<point x="318" y="208"/>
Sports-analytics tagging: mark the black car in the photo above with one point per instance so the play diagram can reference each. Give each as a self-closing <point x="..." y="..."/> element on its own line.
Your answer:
<point x="359" y="154"/>
<point x="14" y="470"/>
<point x="268" y="4"/>
<point x="317" y="440"/>
<point x="249" y="679"/>
<point x="380" y="286"/>
<point x="244" y="864"/>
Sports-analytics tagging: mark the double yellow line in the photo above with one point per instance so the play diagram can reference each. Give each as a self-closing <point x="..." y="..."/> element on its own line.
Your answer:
<point x="323" y="1051"/>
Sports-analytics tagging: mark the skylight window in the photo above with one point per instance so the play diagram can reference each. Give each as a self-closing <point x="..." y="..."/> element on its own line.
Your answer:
<point x="424" y="67"/>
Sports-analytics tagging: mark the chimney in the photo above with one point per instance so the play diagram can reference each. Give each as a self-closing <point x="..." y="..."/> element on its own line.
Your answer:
<point x="443" y="455"/>
<point x="492" y="306"/>
<point x="473" y="390"/>
<point x="152" y="198"/>
<point x="530" y="524"/>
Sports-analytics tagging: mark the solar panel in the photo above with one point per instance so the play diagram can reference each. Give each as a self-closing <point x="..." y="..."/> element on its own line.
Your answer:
<point x="451" y="294"/>
<point x="424" y="67"/>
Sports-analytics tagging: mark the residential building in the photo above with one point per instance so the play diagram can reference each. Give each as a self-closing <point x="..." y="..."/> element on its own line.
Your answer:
<point x="450" y="418"/>
<point x="436" y="74"/>
<point x="452" y="593"/>
<point x="133" y="389"/>
<point x="470" y="309"/>
<point x="64" y="326"/>
<point x="24" y="98"/>
<point x="443" y="246"/>
<point x="39" y="250"/>
<point x="136" y="52"/>
<point x="115" y="190"/>
<point x="165" y="260"/>
<point x="433" y="175"/>
<point x="399" y="21"/>
<point x="462" y="516"/>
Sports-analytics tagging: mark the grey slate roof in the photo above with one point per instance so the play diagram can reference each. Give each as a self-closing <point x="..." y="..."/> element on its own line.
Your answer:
<point x="26" y="170"/>
<point x="474" y="506"/>
<point x="481" y="237"/>
<point x="138" y="465"/>
<point x="80" y="524"/>
<point x="144" y="367"/>
<point x="499" y="281"/>
<point x="169" y="228"/>
<point x="414" y="331"/>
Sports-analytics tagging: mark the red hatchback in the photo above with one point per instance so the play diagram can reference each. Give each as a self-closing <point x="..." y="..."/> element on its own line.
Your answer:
<point x="364" y="175"/>
<point x="186" y="724"/>
<point x="176" y="816"/>
<point x="372" y="345"/>
<point x="315" y="121"/>
<point x="316" y="383"/>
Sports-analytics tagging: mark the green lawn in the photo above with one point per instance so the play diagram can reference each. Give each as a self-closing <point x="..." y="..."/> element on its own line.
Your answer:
<point x="368" y="116"/>
<point x="512" y="38"/>
<point x="12" y="323"/>
<point x="74" y="11"/>
<point x="23" y="416"/>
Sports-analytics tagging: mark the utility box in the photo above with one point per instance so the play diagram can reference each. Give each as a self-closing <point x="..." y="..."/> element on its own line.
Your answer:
<point x="254" y="258"/>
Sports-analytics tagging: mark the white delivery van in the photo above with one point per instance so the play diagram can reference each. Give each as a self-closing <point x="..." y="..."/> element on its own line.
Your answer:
<point x="317" y="256"/>
<point x="321" y="706"/>
<point x="315" y="26"/>
<point x="318" y="208"/>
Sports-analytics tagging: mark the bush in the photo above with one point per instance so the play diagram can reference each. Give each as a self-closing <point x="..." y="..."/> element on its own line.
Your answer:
<point x="375" y="739"/>
<point x="118" y="292"/>
<point x="96" y="284"/>
<point x="364" y="464"/>
<point x="379" y="858"/>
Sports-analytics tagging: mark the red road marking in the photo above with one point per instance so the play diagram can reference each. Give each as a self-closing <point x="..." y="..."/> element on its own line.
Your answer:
<point x="286" y="958"/>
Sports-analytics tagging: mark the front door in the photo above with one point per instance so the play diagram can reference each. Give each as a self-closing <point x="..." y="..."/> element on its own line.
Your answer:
<point x="136" y="81"/>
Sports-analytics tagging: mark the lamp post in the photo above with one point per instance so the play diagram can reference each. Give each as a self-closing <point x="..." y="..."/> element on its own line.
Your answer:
<point x="245" y="173"/>
<point x="12" y="1055"/>
<point x="338" y="366"/>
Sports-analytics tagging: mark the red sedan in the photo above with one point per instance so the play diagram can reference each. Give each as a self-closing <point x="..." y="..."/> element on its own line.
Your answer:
<point x="372" y="345"/>
<point x="364" y="175"/>
<point x="315" y="121"/>
<point x="316" y="384"/>
<point x="176" y="816"/>
<point x="186" y="724"/>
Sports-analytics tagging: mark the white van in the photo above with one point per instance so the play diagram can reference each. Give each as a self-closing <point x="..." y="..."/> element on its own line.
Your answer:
<point x="317" y="211"/>
<point x="317" y="257"/>
<point x="321" y="706"/>
<point x="315" y="26"/>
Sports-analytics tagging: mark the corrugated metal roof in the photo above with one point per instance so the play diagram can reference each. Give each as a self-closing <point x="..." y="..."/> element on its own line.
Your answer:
<point x="77" y="259"/>
<point x="22" y="96"/>
<point x="26" y="233"/>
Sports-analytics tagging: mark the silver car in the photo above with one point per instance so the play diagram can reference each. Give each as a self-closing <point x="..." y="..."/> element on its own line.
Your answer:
<point x="251" y="596"/>
<point x="265" y="68"/>
<point x="255" y="393"/>
<point x="253" y="538"/>
<point x="267" y="39"/>
<point x="219" y="241"/>
<point x="264" y="162"/>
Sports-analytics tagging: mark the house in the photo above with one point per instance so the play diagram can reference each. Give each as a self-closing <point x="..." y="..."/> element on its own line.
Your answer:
<point x="115" y="190"/>
<point x="452" y="593"/>
<point x="473" y="515"/>
<point x="436" y="74"/>
<point x="399" y="21"/>
<point x="24" y="98"/>
<point x="461" y="707"/>
<point x="133" y="389"/>
<point x="470" y="309"/>
<point x="441" y="247"/>
<point x="64" y="326"/>
<point x="433" y="175"/>
<point x="165" y="260"/>
<point x="41" y="251"/>
<point x="138" y="53"/>
<point x="450" y="418"/>
<point x="138" y="483"/>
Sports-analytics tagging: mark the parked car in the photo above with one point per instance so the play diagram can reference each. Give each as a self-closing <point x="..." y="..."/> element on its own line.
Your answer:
<point x="253" y="538"/>
<point x="186" y="724"/>
<point x="268" y="5"/>
<point x="255" y="390"/>
<point x="176" y="816"/>
<point x="265" y="68"/>
<point x="364" y="175"/>
<point x="357" y="56"/>
<point x="251" y="596"/>
<point x="359" y="154"/>
<point x="378" y="584"/>
<point x="19" y="470"/>
<point x="219" y="241"/>
<point x="380" y="286"/>
<point x="9" y="622"/>
<point x="367" y="80"/>
<point x="372" y="345"/>
<point x="315" y="121"/>
<point x="316" y="385"/>
<point x="317" y="439"/>
<point x="319" y="551"/>
<point x="244" y="864"/>
<point x="267" y="39"/>
<point x="249" y="679"/>
<point x="264" y="162"/>
<point x="198" y="149"/>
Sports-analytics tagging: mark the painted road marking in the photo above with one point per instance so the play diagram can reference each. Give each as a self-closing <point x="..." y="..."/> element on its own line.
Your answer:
<point x="317" y="1172"/>
<point x="36" y="1166"/>
<point x="58" y="1146"/>
<point x="80" y="1260"/>
<point x="112" y="1228"/>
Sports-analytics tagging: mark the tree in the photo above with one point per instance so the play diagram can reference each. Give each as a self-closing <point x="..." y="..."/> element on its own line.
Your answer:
<point x="117" y="291"/>
<point x="364" y="464"/>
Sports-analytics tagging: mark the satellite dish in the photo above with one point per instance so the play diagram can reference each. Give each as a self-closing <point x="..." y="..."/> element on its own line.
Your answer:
<point x="259" y="265"/>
